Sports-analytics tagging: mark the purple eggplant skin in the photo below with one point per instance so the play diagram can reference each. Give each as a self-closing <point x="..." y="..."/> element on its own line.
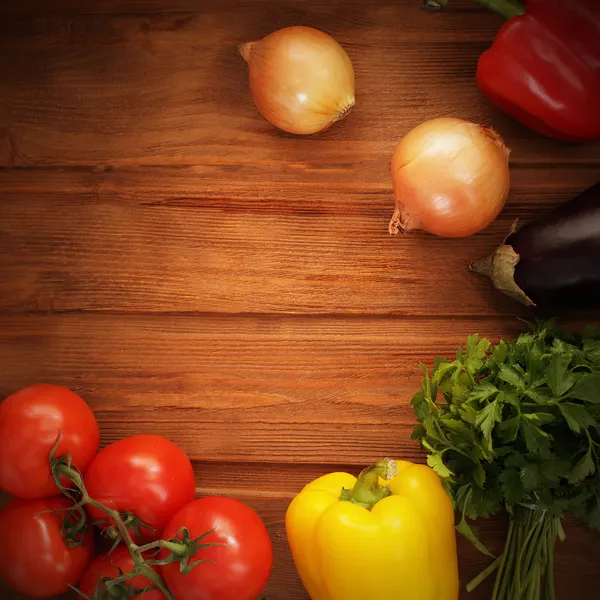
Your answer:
<point x="554" y="260"/>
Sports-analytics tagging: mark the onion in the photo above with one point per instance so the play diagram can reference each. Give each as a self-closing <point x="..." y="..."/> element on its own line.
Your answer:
<point x="450" y="178"/>
<point x="301" y="79"/>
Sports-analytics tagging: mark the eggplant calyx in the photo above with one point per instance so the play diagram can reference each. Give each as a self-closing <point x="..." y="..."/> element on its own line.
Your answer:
<point x="500" y="268"/>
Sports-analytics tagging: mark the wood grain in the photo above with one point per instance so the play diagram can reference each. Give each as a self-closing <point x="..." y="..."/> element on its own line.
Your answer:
<point x="191" y="271"/>
<point x="323" y="390"/>
<point x="193" y="239"/>
<point x="171" y="88"/>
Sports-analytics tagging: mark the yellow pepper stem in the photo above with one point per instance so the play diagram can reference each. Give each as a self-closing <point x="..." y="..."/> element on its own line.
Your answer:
<point x="367" y="490"/>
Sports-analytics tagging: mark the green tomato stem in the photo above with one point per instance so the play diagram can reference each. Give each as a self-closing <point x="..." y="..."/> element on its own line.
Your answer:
<point x="155" y="578"/>
<point x="175" y="548"/>
<point x="141" y="568"/>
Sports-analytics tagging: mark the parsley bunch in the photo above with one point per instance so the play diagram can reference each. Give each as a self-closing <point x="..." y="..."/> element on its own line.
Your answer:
<point x="515" y="426"/>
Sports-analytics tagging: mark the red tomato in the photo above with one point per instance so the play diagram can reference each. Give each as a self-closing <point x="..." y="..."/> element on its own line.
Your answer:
<point x="146" y="475"/>
<point x="30" y="421"/>
<point x="108" y="565"/>
<point x="240" y="569"/>
<point x="35" y="560"/>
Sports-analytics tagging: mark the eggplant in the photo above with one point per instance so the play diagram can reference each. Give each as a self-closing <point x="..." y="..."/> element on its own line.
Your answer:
<point x="554" y="260"/>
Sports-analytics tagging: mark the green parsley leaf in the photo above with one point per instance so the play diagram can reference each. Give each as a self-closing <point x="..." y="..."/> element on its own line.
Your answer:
<point x="436" y="462"/>
<point x="533" y="435"/>
<point x="510" y="375"/>
<point x="483" y="390"/>
<point x="465" y="529"/>
<point x="509" y="397"/>
<point x="584" y="467"/>
<point x="475" y="353"/>
<point x="591" y="349"/>
<point x="531" y="476"/>
<point x="587" y="388"/>
<point x="444" y="369"/>
<point x="576" y="416"/>
<point x="509" y="429"/>
<point x="421" y="407"/>
<point x="479" y="475"/>
<point x="542" y="397"/>
<point x="560" y="379"/>
<point x="456" y="426"/>
<point x="539" y="418"/>
<point x="500" y="352"/>
<point x="512" y="486"/>
<point x="488" y="417"/>
<point x="418" y="432"/>
<point x="469" y="414"/>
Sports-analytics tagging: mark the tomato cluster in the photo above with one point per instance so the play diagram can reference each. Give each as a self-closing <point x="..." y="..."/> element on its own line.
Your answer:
<point x="147" y="479"/>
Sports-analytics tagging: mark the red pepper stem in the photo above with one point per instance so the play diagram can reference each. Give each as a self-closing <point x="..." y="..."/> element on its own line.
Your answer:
<point x="505" y="8"/>
<point x="367" y="490"/>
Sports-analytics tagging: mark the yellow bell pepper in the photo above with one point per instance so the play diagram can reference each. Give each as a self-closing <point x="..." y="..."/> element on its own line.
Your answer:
<point x="388" y="535"/>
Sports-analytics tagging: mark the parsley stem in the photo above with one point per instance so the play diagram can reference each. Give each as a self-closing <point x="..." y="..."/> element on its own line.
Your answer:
<point x="519" y="544"/>
<point x="503" y="581"/>
<point x="551" y="542"/>
<point x="530" y="554"/>
<point x="505" y="554"/>
<point x="485" y="573"/>
<point x="527" y="559"/>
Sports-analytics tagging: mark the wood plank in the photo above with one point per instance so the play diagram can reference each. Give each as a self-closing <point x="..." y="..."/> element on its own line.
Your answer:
<point x="575" y="570"/>
<point x="239" y="18"/>
<point x="251" y="388"/>
<point x="256" y="389"/>
<point x="304" y="239"/>
<point x="193" y="272"/>
<point x="167" y="88"/>
<point x="236" y="8"/>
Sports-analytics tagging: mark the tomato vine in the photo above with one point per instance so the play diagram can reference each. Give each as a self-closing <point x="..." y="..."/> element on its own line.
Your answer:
<point x="179" y="549"/>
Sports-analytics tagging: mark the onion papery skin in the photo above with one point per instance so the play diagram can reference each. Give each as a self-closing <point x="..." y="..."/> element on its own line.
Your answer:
<point x="450" y="178"/>
<point x="301" y="79"/>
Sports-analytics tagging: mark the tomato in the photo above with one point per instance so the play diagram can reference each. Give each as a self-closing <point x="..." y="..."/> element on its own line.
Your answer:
<point x="30" y="422"/>
<point x="240" y="569"/>
<point x="108" y="565"/>
<point x="146" y="475"/>
<point x="35" y="560"/>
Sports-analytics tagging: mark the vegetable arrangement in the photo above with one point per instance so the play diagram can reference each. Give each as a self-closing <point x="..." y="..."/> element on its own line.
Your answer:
<point x="515" y="426"/>
<point x="140" y="493"/>
<point x="512" y="426"/>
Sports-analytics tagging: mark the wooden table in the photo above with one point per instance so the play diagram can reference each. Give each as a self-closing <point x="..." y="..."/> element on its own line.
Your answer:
<point x="192" y="272"/>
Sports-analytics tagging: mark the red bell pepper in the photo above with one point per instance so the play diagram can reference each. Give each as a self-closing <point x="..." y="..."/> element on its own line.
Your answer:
<point x="543" y="68"/>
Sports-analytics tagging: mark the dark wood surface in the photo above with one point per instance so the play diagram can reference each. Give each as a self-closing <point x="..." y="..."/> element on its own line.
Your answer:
<point x="193" y="272"/>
